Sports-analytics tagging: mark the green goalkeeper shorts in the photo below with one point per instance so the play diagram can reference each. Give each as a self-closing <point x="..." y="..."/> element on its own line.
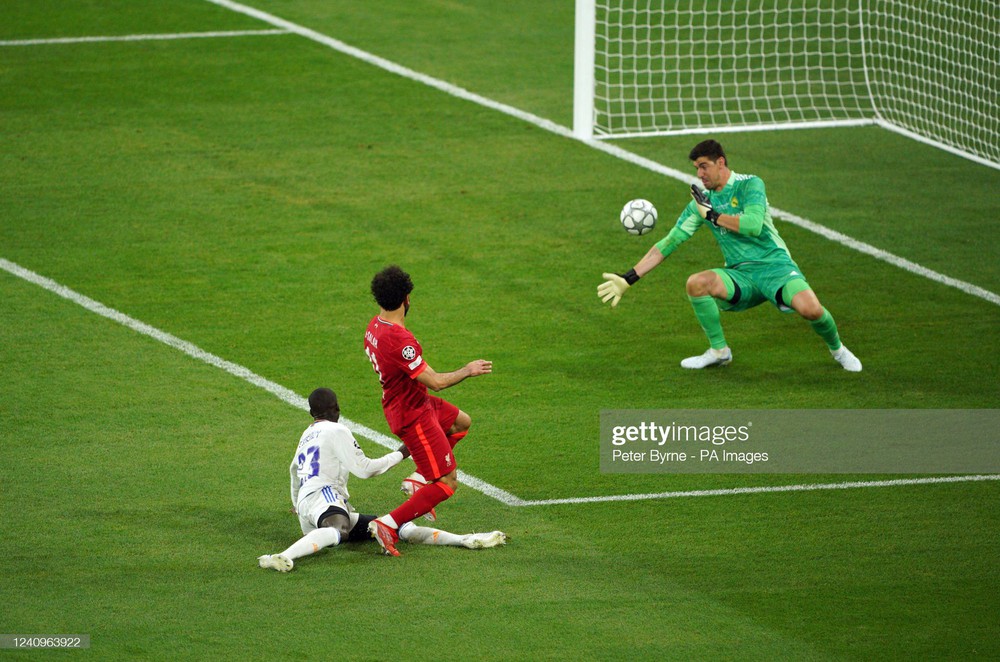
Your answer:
<point x="757" y="282"/>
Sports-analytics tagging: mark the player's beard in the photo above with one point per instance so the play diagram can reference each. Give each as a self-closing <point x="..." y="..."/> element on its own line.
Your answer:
<point x="406" y="308"/>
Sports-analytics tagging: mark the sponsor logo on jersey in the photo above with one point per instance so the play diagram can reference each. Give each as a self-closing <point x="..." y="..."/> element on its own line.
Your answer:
<point x="409" y="352"/>
<point x="734" y="202"/>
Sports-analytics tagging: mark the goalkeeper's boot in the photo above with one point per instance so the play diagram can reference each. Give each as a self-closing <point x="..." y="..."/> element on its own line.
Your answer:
<point x="386" y="536"/>
<point x="410" y="485"/>
<point x="711" y="357"/>
<point x="484" y="540"/>
<point x="846" y="358"/>
<point x="278" y="562"/>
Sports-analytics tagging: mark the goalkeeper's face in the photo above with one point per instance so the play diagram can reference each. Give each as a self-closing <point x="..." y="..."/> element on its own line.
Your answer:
<point x="713" y="174"/>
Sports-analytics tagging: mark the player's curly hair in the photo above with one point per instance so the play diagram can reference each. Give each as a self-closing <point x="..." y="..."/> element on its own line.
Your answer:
<point x="390" y="287"/>
<point x="323" y="404"/>
<point x="709" y="148"/>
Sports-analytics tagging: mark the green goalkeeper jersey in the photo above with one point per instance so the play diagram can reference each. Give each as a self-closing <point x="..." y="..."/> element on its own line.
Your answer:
<point x="757" y="240"/>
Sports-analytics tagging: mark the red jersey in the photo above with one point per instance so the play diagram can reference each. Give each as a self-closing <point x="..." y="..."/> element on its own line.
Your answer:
<point x="397" y="359"/>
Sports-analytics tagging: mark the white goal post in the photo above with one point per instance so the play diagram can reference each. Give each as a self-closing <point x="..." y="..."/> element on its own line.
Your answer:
<point x="928" y="69"/>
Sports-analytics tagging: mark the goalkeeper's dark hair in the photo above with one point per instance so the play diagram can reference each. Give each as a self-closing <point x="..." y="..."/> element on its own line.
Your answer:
<point x="390" y="287"/>
<point x="323" y="404"/>
<point x="709" y="148"/>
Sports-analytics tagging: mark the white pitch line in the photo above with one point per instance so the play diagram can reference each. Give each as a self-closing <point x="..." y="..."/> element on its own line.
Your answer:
<point x="765" y="490"/>
<point x="503" y="496"/>
<point x="140" y="37"/>
<point x="295" y="400"/>
<point x="282" y="393"/>
<point x="612" y="150"/>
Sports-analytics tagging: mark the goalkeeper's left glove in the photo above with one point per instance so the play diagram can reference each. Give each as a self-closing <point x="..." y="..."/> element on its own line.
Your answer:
<point x="615" y="286"/>
<point x="704" y="206"/>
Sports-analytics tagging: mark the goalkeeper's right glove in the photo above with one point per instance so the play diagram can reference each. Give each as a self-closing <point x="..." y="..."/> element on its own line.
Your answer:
<point x="615" y="286"/>
<point x="704" y="206"/>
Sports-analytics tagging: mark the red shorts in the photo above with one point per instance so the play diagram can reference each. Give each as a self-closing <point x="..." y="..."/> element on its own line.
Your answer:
<point x="426" y="438"/>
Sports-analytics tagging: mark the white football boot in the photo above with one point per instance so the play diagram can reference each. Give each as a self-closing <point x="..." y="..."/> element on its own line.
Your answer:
<point x="484" y="540"/>
<point x="710" y="358"/>
<point x="846" y="358"/>
<point x="277" y="562"/>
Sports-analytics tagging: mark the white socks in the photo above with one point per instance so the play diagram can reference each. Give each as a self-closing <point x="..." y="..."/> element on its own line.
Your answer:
<point x="312" y="542"/>
<point x="425" y="535"/>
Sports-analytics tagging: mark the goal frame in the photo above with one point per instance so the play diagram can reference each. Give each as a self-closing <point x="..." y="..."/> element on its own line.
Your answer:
<point x="584" y="91"/>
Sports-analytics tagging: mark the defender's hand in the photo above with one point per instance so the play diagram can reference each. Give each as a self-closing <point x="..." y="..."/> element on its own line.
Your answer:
<point x="612" y="289"/>
<point x="704" y="206"/>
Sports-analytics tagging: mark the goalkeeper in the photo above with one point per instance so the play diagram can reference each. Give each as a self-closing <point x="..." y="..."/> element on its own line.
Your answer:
<point x="758" y="267"/>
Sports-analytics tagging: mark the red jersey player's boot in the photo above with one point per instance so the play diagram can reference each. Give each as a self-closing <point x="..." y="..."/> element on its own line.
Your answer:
<point x="386" y="536"/>
<point x="410" y="485"/>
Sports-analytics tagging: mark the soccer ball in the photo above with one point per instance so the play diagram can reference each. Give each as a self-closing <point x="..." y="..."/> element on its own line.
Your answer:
<point x="638" y="216"/>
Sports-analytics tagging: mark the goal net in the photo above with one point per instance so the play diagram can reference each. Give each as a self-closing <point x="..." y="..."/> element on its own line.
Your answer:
<point x="925" y="68"/>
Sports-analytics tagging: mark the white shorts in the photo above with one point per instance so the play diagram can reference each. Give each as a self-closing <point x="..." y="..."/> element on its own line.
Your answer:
<point x="312" y="507"/>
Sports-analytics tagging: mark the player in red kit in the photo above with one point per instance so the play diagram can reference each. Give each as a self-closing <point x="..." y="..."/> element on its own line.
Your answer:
<point x="429" y="426"/>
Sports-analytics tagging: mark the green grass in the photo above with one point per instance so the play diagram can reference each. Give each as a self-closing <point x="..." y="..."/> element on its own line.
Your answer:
<point x="239" y="194"/>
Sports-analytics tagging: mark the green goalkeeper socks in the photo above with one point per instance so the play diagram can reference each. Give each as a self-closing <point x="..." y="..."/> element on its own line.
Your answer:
<point x="827" y="330"/>
<point x="707" y="312"/>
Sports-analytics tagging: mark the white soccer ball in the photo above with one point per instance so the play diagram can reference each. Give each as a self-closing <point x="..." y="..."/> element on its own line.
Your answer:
<point x="638" y="216"/>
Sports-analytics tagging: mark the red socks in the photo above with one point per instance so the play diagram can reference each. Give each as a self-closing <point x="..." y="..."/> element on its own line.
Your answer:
<point x="422" y="501"/>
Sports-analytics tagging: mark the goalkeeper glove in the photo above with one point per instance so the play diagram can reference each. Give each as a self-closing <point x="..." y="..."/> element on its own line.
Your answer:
<point x="704" y="206"/>
<point x="615" y="286"/>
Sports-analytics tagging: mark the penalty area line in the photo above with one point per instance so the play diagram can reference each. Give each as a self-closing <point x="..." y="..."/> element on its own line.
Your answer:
<point x="766" y="489"/>
<point x="284" y="394"/>
<point x="503" y="496"/>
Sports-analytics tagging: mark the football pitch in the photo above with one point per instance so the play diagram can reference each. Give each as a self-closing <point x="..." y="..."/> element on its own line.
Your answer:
<point x="195" y="196"/>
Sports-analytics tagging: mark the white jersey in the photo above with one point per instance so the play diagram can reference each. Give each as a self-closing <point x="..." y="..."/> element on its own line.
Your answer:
<point x="326" y="455"/>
